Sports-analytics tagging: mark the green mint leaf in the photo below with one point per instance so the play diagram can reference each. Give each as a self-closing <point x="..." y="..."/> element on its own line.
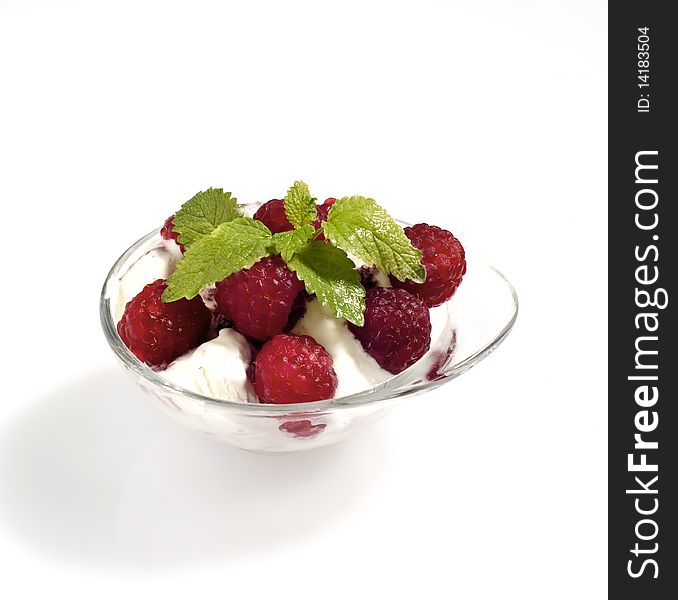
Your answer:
<point x="329" y="274"/>
<point x="299" y="205"/>
<point x="231" y="247"/>
<point x="286" y="243"/>
<point x="203" y="213"/>
<point x="363" y="228"/>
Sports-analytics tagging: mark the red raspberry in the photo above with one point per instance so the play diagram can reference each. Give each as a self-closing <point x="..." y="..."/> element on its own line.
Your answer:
<point x="321" y="215"/>
<point x="259" y="300"/>
<point x="158" y="332"/>
<point x="445" y="262"/>
<point x="321" y="211"/>
<point x="397" y="330"/>
<point x="272" y="214"/>
<point x="167" y="232"/>
<point x="294" y="368"/>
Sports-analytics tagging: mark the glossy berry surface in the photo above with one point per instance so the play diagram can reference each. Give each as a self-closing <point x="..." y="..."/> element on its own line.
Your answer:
<point x="445" y="262"/>
<point x="158" y="332"/>
<point x="272" y="214"/>
<point x="167" y="232"/>
<point x="259" y="300"/>
<point x="397" y="330"/>
<point x="294" y="368"/>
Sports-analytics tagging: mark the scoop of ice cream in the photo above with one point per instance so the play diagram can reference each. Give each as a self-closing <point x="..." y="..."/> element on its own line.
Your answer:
<point x="356" y="370"/>
<point x="217" y="368"/>
<point x="159" y="262"/>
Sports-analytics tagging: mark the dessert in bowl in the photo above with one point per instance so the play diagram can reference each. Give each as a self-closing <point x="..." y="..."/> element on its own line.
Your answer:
<point x="305" y="334"/>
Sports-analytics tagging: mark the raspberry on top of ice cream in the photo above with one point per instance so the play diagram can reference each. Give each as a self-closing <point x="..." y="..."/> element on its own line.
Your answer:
<point x="259" y="300"/>
<point x="445" y="262"/>
<point x="397" y="330"/>
<point x="272" y="214"/>
<point x="293" y="368"/>
<point x="157" y="332"/>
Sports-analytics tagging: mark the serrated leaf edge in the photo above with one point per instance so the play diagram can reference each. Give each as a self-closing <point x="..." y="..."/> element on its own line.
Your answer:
<point x="305" y="219"/>
<point x="311" y="289"/>
<point x="169" y="296"/>
<point x="183" y="230"/>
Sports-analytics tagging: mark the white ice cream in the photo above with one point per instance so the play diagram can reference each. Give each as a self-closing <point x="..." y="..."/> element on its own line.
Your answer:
<point x="356" y="370"/>
<point x="158" y="262"/>
<point x="216" y="368"/>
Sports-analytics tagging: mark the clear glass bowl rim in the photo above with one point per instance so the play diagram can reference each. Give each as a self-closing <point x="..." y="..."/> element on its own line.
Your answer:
<point x="380" y="393"/>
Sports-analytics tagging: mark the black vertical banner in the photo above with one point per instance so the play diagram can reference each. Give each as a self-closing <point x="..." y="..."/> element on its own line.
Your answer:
<point x="643" y="349"/>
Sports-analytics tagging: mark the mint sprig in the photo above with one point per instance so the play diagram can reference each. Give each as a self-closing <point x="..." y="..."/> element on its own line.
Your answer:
<point x="329" y="274"/>
<point x="286" y="243"/>
<point x="361" y="227"/>
<point x="299" y="205"/>
<point x="231" y="247"/>
<point x="203" y="213"/>
<point x="221" y="242"/>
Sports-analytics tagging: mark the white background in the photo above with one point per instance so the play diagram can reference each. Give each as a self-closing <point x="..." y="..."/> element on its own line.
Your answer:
<point x="488" y="118"/>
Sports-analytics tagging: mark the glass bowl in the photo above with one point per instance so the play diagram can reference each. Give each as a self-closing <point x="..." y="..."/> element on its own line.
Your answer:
<point x="472" y="324"/>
